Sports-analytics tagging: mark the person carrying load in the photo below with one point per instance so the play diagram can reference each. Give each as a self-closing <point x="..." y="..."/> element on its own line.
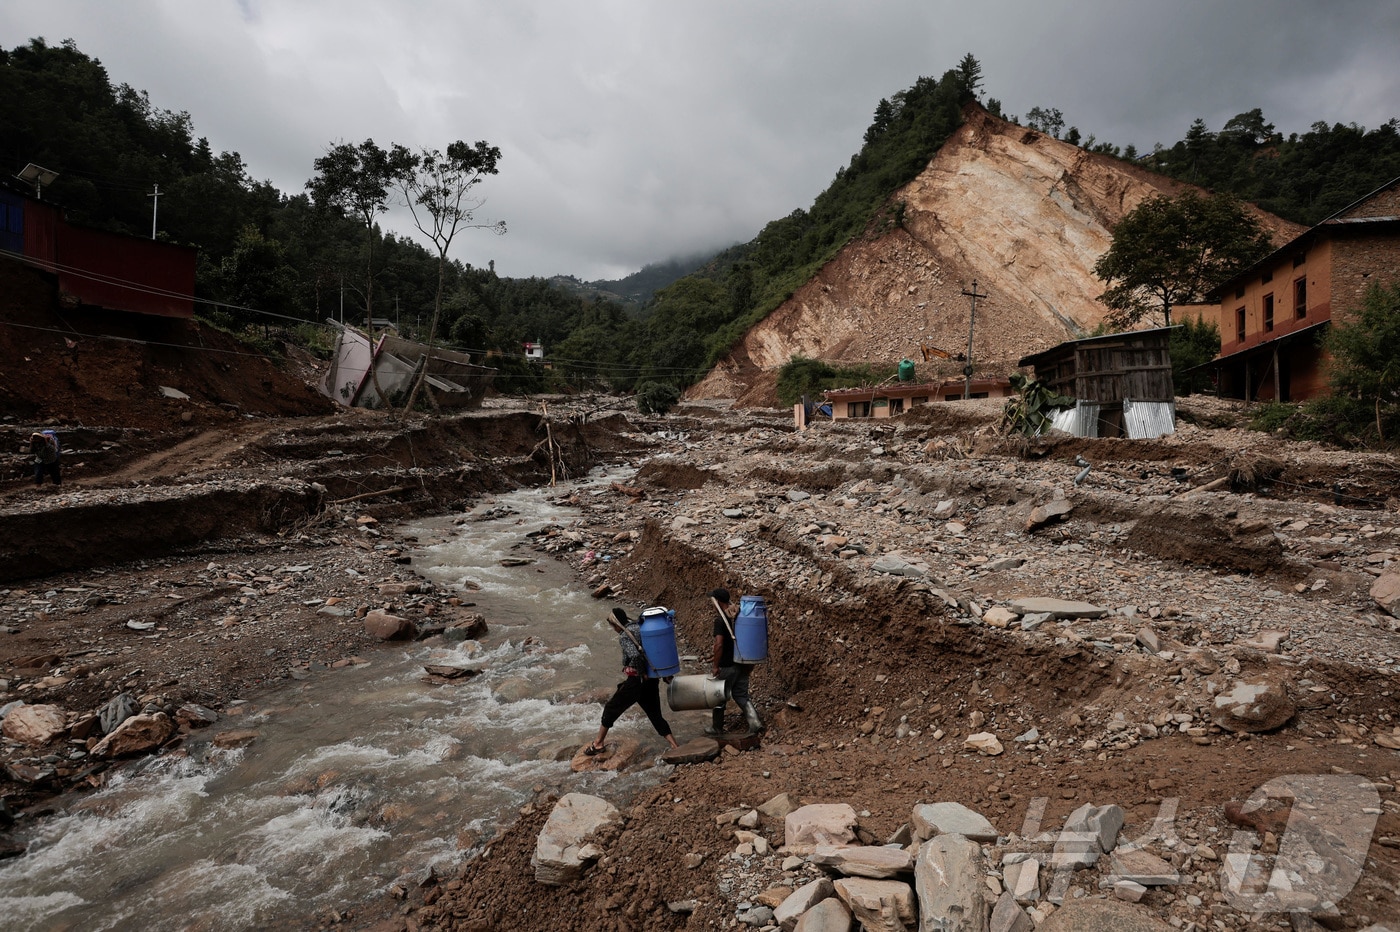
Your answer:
<point x="724" y="666"/>
<point x="636" y="688"/>
<point x="44" y="448"/>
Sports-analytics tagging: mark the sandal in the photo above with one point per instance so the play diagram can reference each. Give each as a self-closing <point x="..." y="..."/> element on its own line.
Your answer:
<point x="593" y="750"/>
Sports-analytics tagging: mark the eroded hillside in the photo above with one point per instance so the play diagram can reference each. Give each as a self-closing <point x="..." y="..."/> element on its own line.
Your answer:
<point x="1023" y="214"/>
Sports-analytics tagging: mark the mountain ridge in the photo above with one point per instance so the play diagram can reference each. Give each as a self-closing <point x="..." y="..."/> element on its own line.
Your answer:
<point x="1021" y="213"/>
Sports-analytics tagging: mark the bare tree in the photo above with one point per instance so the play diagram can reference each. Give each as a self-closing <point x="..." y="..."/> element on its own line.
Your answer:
<point x="438" y="189"/>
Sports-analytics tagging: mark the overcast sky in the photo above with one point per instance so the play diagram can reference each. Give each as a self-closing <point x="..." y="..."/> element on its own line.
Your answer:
<point x="632" y="131"/>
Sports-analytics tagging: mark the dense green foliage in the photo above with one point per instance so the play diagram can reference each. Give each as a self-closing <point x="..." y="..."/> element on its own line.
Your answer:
<point x="802" y="376"/>
<point x="1193" y="343"/>
<point x="656" y="397"/>
<point x="1172" y="250"/>
<point x="1034" y="407"/>
<point x="1365" y="348"/>
<point x="263" y="253"/>
<point x="1364" y="409"/>
<point x="1304" y="178"/>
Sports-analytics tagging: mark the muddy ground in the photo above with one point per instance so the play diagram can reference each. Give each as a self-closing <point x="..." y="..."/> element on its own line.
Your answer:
<point x="233" y="535"/>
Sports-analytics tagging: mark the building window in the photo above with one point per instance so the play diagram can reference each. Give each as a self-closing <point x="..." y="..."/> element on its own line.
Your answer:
<point x="1239" y="292"/>
<point x="1239" y="324"/>
<point x="1268" y="313"/>
<point x="918" y="400"/>
<point x="896" y="406"/>
<point x="1266" y="278"/>
<point x="1300" y="298"/>
<point x="857" y="409"/>
<point x="1299" y="259"/>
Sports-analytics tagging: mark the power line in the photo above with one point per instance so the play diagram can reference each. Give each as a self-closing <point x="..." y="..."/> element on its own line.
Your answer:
<point x="116" y="339"/>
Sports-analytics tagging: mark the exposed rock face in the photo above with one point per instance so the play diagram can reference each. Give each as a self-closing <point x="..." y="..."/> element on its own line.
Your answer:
<point x="35" y="725"/>
<point x="1022" y="213"/>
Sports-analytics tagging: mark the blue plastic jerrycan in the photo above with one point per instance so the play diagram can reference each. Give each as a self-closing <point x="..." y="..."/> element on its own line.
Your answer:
<point x="751" y="630"/>
<point x="659" y="641"/>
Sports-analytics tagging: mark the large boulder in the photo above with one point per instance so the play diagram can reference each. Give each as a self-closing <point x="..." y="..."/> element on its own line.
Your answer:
<point x="948" y="878"/>
<point x="1057" y="608"/>
<point x="1386" y="591"/>
<point x="137" y="735"/>
<point x="830" y="915"/>
<point x="388" y="627"/>
<point x="880" y="863"/>
<point x="563" y="849"/>
<point x="1008" y="916"/>
<point x="786" y="913"/>
<point x="34" y="725"/>
<point x="879" y="905"/>
<point x="1089" y="832"/>
<point x="930" y="819"/>
<point x="807" y="828"/>
<point x="1254" y="704"/>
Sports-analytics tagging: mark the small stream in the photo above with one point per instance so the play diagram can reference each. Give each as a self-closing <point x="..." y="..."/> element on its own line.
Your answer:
<point x="360" y="777"/>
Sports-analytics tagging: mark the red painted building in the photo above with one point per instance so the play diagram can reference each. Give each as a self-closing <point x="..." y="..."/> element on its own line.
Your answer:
<point x="95" y="268"/>
<point x="1273" y="314"/>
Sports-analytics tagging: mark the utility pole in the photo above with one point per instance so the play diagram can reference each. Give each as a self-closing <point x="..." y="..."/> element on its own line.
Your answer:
<point x="971" y="320"/>
<point x="155" y="202"/>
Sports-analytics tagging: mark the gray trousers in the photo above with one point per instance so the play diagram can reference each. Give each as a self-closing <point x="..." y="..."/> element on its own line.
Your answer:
<point x="736" y="688"/>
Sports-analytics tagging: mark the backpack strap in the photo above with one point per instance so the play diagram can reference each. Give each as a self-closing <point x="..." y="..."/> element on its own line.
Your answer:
<point x="724" y="618"/>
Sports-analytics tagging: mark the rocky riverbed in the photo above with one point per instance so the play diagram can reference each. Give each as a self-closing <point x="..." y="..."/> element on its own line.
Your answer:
<point x="954" y="620"/>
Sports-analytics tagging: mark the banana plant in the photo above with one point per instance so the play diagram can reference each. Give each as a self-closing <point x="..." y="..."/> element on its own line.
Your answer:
<point x="1032" y="412"/>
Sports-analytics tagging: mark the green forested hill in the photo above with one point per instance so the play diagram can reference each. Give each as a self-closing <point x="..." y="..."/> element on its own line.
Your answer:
<point x="266" y="251"/>
<point x="1304" y="178"/>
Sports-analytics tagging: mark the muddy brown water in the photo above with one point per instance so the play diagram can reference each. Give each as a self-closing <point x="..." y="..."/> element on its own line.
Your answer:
<point x="359" y="778"/>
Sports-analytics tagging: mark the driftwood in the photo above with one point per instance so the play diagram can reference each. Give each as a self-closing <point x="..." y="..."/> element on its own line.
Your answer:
<point x="364" y="495"/>
<point x="629" y="491"/>
<point x="1208" y="487"/>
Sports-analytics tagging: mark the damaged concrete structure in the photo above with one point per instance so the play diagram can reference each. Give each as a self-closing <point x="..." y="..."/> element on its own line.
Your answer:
<point x="1121" y="384"/>
<point x="890" y="400"/>
<point x="456" y="382"/>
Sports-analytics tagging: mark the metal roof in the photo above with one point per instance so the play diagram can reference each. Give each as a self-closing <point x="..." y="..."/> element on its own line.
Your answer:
<point x="1030" y="360"/>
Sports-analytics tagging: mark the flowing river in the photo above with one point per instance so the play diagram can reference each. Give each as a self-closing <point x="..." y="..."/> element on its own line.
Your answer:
<point x="359" y="778"/>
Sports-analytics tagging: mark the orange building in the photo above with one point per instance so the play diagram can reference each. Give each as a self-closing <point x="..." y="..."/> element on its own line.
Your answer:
<point x="1273" y="314"/>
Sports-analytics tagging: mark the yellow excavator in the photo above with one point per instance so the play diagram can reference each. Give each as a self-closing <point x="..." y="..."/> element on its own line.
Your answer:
<point x="933" y="352"/>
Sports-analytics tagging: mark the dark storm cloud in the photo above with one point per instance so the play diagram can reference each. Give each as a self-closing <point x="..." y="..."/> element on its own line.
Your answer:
<point x="634" y="131"/>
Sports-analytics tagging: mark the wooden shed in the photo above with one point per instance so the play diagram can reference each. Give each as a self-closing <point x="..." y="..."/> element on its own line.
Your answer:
<point x="1121" y="381"/>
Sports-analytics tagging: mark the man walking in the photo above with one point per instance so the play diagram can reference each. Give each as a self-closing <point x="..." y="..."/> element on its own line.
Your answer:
<point x="43" y="447"/>
<point x="723" y="666"/>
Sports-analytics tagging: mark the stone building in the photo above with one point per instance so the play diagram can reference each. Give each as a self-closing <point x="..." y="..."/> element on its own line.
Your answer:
<point x="1273" y="314"/>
